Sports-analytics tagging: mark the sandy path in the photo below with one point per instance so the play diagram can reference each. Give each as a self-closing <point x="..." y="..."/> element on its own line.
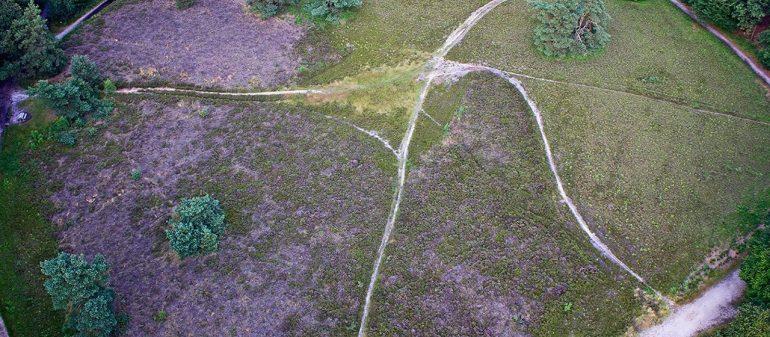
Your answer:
<point x="713" y="307"/>
<point x="746" y="59"/>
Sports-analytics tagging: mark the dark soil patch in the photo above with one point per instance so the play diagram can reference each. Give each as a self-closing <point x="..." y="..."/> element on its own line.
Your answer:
<point x="216" y="43"/>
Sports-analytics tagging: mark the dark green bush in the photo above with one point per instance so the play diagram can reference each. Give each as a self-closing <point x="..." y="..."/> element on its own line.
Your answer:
<point x="764" y="57"/>
<point x="732" y="14"/>
<point x="720" y="12"/>
<point x="196" y="226"/>
<point x="330" y="10"/>
<point x="755" y="269"/>
<point x="78" y="96"/>
<point x="82" y="290"/>
<point x="764" y="39"/>
<point x="570" y="27"/>
<point x="323" y="10"/>
<point x="184" y="4"/>
<point x="83" y="68"/>
<point x="269" y="8"/>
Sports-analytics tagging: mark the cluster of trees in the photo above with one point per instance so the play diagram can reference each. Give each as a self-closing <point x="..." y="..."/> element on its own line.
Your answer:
<point x="732" y="14"/>
<point x="325" y="10"/>
<point x="196" y="226"/>
<point x="27" y="48"/>
<point x="82" y="290"/>
<point x="570" y="27"/>
<point x="83" y="95"/>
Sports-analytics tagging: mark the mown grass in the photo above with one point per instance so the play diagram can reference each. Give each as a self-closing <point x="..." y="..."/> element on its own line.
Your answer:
<point x="656" y="51"/>
<point x="26" y="236"/>
<point x="655" y="179"/>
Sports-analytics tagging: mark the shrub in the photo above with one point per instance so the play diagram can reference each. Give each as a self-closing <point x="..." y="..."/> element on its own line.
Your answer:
<point x="33" y="49"/>
<point x="83" y="68"/>
<point x="748" y="13"/>
<point x="72" y="99"/>
<point x="269" y="8"/>
<point x="570" y="27"/>
<point x="184" y="4"/>
<point x="764" y="57"/>
<point x="196" y="226"/>
<point x="109" y="87"/>
<point x="330" y="10"/>
<point x="78" y="96"/>
<point x="720" y="12"/>
<point x="82" y="290"/>
<point x="764" y="39"/>
<point x="755" y="269"/>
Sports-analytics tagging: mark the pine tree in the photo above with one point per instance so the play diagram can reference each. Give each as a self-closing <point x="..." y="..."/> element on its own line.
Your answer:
<point x="9" y="11"/>
<point x="38" y="52"/>
<point x="571" y="27"/>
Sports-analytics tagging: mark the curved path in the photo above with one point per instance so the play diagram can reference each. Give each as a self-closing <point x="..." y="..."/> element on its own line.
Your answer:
<point x="434" y="70"/>
<point x="748" y="60"/>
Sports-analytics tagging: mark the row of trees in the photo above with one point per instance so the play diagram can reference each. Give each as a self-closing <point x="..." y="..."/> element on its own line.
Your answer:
<point x="27" y="48"/>
<point x="732" y="14"/>
<point x="325" y="10"/>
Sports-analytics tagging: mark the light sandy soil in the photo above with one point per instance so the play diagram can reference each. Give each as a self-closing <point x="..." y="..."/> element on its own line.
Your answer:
<point x="713" y="307"/>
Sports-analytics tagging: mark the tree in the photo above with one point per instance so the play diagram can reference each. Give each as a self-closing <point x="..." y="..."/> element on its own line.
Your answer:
<point x="570" y="27"/>
<point x="330" y="10"/>
<point x="732" y="14"/>
<point x="269" y="8"/>
<point x="37" y="53"/>
<point x="196" y="226"/>
<point x="82" y="67"/>
<point x="9" y="11"/>
<point x="82" y="290"/>
<point x="77" y="97"/>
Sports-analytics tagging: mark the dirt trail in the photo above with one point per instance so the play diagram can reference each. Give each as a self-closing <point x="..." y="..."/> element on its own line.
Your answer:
<point x="428" y="75"/>
<point x="746" y="59"/>
<point x="713" y="307"/>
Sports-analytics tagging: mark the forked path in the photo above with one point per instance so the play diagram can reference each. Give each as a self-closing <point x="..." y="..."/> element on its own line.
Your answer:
<point x="437" y="69"/>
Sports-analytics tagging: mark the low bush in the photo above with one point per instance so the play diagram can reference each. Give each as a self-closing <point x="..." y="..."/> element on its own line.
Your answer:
<point x="82" y="290"/>
<point x="269" y="8"/>
<point x="755" y="269"/>
<point x="184" y="4"/>
<point x="320" y="10"/>
<point x="570" y="27"/>
<point x="330" y="10"/>
<point x="720" y="12"/>
<point x="196" y="226"/>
